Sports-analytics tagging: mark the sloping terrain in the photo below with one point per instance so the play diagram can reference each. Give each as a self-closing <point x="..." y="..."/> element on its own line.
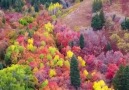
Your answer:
<point x="81" y="17"/>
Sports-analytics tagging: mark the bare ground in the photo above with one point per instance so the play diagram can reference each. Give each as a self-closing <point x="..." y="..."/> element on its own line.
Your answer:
<point x="80" y="17"/>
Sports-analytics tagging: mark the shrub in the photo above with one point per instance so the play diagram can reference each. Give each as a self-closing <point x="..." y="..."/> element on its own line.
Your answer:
<point x="16" y="77"/>
<point x="31" y="47"/>
<point x="26" y="20"/>
<point x="41" y="56"/>
<point x="121" y="41"/>
<point x="13" y="53"/>
<point x="121" y="79"/>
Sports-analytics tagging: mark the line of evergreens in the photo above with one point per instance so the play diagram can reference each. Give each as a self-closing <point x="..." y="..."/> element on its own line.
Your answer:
<point x="15" y="4"/>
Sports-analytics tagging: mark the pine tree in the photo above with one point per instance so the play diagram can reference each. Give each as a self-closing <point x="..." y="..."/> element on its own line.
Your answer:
<point x="16" y="4"/>
<point x="97" y="5"/>
<point x="74" y="72"/>
<point x="102" y="17"/>
<point x="100" y="4"/>
<point x="36" y="7"/>
<point x="81" y="41"/>
<point x="94" y="6"/>
<point x="96" y="23"/>
<point x="108" y="47"/>
<point x="121" y="79"/>
<point x="71" y="44"/>
<point x="1" y="66"/>
<point x="55" y="1"/>
<point x="125" y="24"/>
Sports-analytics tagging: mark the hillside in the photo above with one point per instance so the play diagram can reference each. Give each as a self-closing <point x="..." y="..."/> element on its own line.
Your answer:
<point x="64" y="45"/>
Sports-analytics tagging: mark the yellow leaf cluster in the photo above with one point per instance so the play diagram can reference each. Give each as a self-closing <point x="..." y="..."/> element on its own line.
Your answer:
<point x="60" y="62"/>
<point x="52" y="73"/>
<point x="49" y="27"/>
<point x="52" y="50"/>
<point x="30" y="45"/>
<point x="30" y="41"/>
<point x="69" y="54"/>
<point x="54" y="6"/>
<point x="81" y="61"/>
<point x="66" y="63"/>
<point x="56" y="58"/>
<point x="85" y="72"/>
<point x="100" y="85"/>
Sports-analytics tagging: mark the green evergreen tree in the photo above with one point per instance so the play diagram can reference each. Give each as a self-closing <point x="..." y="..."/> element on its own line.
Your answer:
<point x="108" y="47"/>
<point x="125" y="24"/>
<point x="121" y="79"/>
<point x="36" y="7"/>
<point x="96" y="23"/>
<point x="1" y="66"/>
<point x="74" y="72"/>
<point x="94" y="6"/>
<point x="16" y="4"/>
<point x="100" y="4"/>
<point x="55" y="1"/>
<point x="97" y="5"/>
<point x="81" y="41"/>
<point x="102" y="17"/>
<point x="71" y="44"/>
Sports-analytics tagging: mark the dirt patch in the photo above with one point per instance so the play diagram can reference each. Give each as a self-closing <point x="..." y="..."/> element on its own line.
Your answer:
<point x="80" y="17"/>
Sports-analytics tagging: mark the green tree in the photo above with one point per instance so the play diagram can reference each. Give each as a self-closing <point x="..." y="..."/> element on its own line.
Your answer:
<point x="102" y="17"/>
<point x="97" y="5"/>
<point x="74" y="72"/>
<point x="94" y="6"/>
<point x="36" y="7"/>
<point x="16" y="4"/>
<point x="108" y="47"/>
<point x="125" y="24"/>
<point x="96" y="23"/>
<point x="1" y="66"/>
<point x="71" y="44"/>
<point x="81" y="41"/>
<point x="121" y="79"/>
